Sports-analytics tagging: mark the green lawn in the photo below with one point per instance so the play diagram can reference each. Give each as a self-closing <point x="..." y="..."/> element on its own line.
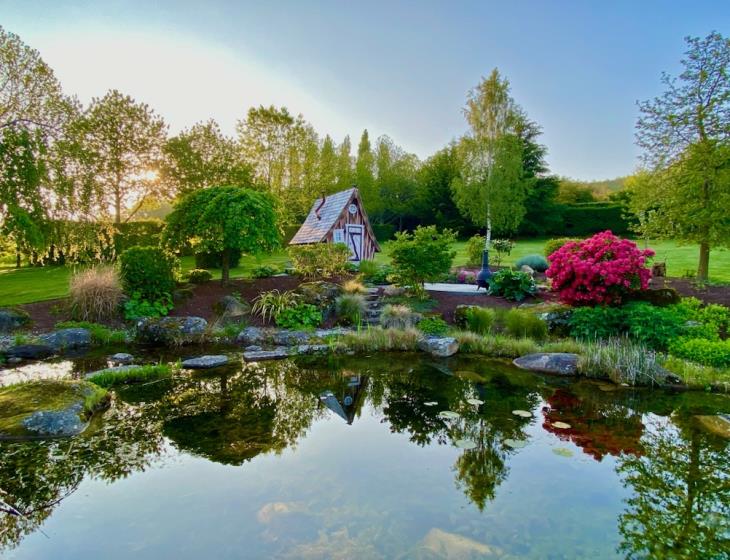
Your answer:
<point x="26" y="285"/>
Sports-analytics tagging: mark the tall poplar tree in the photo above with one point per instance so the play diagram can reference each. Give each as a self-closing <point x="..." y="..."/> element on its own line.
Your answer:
<point x="345" y="175"/>
<point x="364" y="172"/>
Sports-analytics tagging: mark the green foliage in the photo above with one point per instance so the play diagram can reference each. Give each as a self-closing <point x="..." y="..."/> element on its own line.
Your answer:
<point x="97" y="399"/>
<point x="215" y="259"/>
<point x="302" y="316"/>
<point x="136" y="307"/>
<point x="422" y="256"/>
<point x="148" y="272"/>
<point x="100" y="334"/>
<point x="696" y="375"/>
<point x="600" y="322"/>
<point x="395" y="316"/>
<point x="481" y="320"/>
<point x="512" y="284"/>
<point x="136" y="374"/>
<point x="350" y="308"/>
<point x="715" y="353"/>
<point x="552" y="245"/>
<point x="434" y="326"/>
<point x="474" y="250"/>
<point x="199" y="276"/>
<point x="264" y="271"/>
<point x="382" y="340"/>
<point x="620" y="360"/>
<point x="593" y="217"/>
<point x="522" y="323"/>
<point x="223" y="220"/>
<point x="320" y="259"/>
<point x="538" y="263"/>
<point x="269" y="305"/>
<point x="495" y="346"/>
<point x="375" y="273"/>
<point x="501" y="248"/>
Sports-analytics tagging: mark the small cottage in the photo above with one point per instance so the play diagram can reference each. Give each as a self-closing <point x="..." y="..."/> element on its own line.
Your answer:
<point x="339" y="218"/>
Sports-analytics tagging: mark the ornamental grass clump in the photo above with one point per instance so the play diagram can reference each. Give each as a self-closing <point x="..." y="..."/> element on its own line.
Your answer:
<point x="398" y="317"/>
<point x="382" y="340"/>
<point x="601" y="270"/>
<point x="622" y="361"/>
<point x="95" y="293"/>
<point x="521" y="323"/>
<point x="350" y="309"/>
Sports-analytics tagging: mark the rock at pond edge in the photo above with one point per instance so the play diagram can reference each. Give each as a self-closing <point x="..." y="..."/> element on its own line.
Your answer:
<point x="561" y="363"/>
<point x="205" y="362"/>
<point x="441" y="347"/>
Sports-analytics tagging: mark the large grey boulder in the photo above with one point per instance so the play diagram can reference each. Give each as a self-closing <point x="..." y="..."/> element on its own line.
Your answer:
<point x="205" y="362"/>
<point x="290" y="338"/>
<point x="231" y="310"/>
<point x="30" y="351"/>
<point x="121" y="358"/>
<point x="312" y="349"/>
<point x="561" y="363"/>
<point x="168" y="331"/>
<point x="66" y="339"/>
<point x="251" y="335"/>
<point x="441" y="347"/>
<point x="278" y="353"/>
<point x="12" y="319"/>
<point x="58" y="423"/>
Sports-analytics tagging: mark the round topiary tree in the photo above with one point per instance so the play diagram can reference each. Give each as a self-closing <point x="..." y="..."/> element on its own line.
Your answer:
<point x="224" y="220"/>
<point x="601" y="270"/>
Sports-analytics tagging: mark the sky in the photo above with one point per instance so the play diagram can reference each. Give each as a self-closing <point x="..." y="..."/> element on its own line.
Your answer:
<point x="401" y="68"/>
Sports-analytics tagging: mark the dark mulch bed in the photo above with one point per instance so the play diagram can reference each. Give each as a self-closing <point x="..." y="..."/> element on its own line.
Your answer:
<point x="685" y="286"/>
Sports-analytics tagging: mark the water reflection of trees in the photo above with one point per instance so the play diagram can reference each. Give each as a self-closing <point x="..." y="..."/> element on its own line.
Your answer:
<point x="680" y="502"/>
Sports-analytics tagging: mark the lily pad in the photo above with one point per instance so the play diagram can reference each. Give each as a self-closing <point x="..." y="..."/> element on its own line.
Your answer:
<point x="465" y="444"/>
<point x="563" y="452"/>
<point x="515" y="443"/>
<point x="561" y="425"/>
<point x="450" y="414"/>
<point x="430" y="403"/>
<point x="475" y="402"/>
<point x="522" y="413"/>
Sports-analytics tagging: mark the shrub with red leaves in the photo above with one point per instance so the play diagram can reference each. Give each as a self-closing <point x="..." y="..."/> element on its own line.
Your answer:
<point x="601" y="270"/>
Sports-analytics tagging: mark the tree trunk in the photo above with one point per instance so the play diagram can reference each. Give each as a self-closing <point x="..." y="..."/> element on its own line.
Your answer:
<point x="117" y="205"/>
<point x="17" y="258"/>
<point x="703" y="269"/>
<point x="225" y="265"/>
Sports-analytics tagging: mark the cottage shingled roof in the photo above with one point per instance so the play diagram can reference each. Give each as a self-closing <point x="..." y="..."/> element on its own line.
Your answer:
<point x="315" y="229"/>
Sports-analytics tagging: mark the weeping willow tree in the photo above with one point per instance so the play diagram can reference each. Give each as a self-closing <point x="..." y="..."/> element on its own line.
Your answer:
<point x="491" y="188"/>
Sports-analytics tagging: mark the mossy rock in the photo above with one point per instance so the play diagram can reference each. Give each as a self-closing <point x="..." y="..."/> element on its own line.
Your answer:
<point x="322" y="294"/>
<point x="50" y="408"/>
<point x="12" y="319"/>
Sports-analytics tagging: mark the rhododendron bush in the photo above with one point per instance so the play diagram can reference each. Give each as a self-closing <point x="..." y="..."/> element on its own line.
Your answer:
<point x="601" y="270"/>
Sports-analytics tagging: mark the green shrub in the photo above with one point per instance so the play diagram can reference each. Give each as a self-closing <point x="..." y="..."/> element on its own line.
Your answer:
<point x="521" y="323"/>
<point x="538" y="263"/>
<point x="481" y="320"/>
<point x="398" y="317"/>
<point x="350" y="308"/>
<point x="552" y="245"/>
<point x="100" y="334"/>
<point x="136" y="307"/>
<point x="376" y="274"/>
<point x="264" y="271"/>
<point x="148" y="271"/>
<point x="589" y="323"/>
<point x="715" y="353"/>
<point x="136" y="374"/>
<point x="512" y="284"/>
<point x="422" y="256"/>
<point x="593" y="217"/>
<point x="474" y="250"/>
<point x="215" y="260"/>
<point x="434" y="326"/>
<point x="501" y="248"/>
<point x="320" y="259"/>
<point x="199" y="276"/>
<point x="300" y="317"/>
<point x="95" y="294"/>
<point x="621" y="361"/>
<point x="268" y="305"/>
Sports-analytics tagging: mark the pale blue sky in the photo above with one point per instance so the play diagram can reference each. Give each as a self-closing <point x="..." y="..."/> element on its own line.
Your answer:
<point x="396" y="68"/>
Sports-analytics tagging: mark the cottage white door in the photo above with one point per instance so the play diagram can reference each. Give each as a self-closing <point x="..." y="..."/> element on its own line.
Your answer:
<point x="354" y="241"/>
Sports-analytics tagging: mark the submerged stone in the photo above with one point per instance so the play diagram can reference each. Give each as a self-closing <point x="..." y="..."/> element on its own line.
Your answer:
<point x="30" y="351"/>
<point x="51" y="408"/>
<point x="718" y="424"/>
<point x="205" y="362"/>
<point x="121" y="358"/>
<point x="442" y="544"/>
<point x="276" y="354"/>
<point x="562" y="363"/>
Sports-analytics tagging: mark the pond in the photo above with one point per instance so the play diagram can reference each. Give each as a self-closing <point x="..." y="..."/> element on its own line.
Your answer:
<point x="395" y="456"/>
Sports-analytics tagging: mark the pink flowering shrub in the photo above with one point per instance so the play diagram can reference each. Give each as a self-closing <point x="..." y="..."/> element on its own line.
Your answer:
<point x="466" y="277"/>
<point x="600" y="270"/>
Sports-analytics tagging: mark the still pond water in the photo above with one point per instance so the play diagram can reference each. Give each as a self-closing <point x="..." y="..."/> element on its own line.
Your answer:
<point x="355" y="458"/>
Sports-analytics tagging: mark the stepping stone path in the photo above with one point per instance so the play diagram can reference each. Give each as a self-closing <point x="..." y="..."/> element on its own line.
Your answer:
<point x="374" y="304"/>
<point x="205" y="362"/>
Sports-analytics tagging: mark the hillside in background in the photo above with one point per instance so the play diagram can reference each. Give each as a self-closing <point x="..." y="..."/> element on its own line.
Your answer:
<point x="573" y="190"/>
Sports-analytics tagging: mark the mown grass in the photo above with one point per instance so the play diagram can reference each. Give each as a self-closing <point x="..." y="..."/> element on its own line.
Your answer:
<point x="138" y="374"/>
<point x="31" y="284"/>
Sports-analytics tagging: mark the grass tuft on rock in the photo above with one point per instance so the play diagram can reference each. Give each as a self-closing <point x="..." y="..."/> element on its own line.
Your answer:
<point x="137" y="374"/>
<point x="100" y="335"/>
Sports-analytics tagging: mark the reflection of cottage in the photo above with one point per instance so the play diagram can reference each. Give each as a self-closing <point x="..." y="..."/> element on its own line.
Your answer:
<point x="339" y="218"/>
<point x="349" y="399"/>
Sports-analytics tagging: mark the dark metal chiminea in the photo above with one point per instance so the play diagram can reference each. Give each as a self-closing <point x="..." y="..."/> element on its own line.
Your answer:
<point x="484" y="274"/>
